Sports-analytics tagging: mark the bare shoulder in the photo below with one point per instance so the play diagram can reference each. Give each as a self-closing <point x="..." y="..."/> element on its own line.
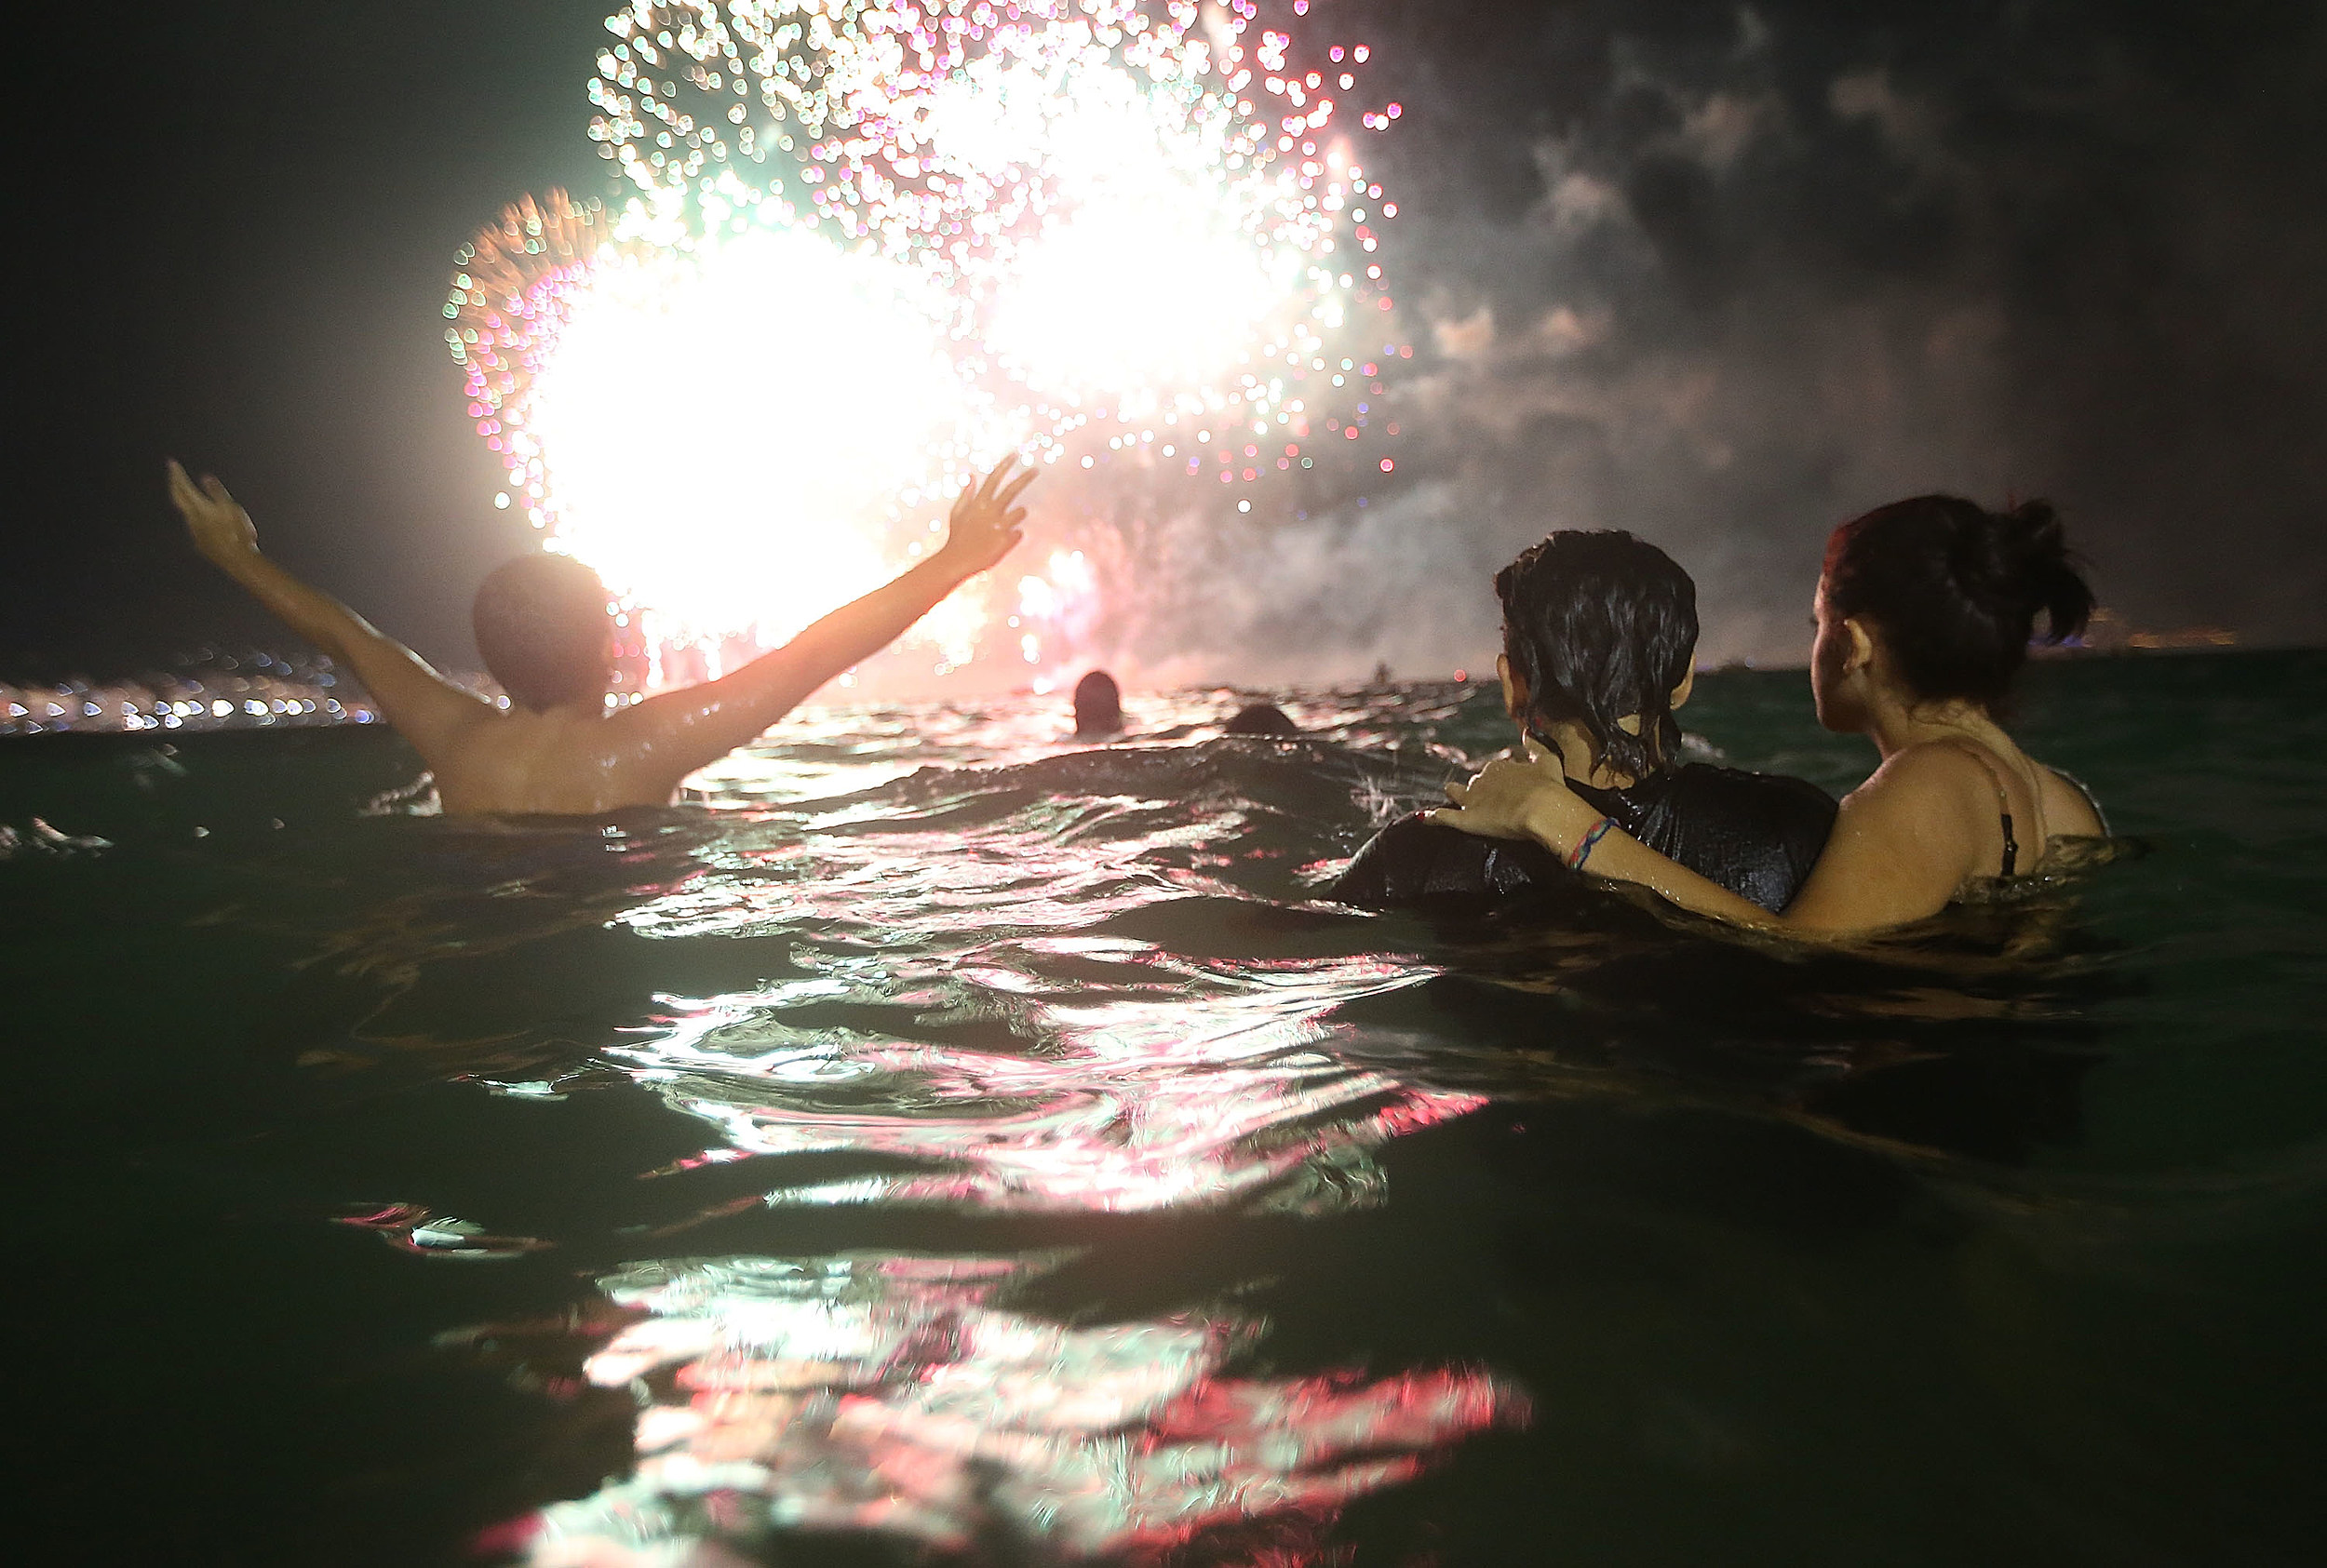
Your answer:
<point x="1933" y="801"/>
<point x="441" y="720"/>
<point x="1903" y="843"/>
<point x="1931" y="773"/>
<point x="476" y="761"/>
<point x="556" y="763"/>
<point x="1930" y="802"/>
<point x="648" y="730"/>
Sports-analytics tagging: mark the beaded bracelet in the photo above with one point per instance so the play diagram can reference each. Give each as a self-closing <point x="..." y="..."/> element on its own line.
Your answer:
<point x="1582" y="851"/>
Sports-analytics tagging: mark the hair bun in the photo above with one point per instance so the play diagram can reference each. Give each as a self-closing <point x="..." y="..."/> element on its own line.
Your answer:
<point x="1956" y="588"/>
<point x="2036" y="546"/>
<point x="2016" y="563"/>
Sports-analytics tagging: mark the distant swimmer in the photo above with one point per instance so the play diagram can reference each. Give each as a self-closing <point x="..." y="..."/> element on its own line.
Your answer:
<point x="1261" y="718"/>
<point x="1599" y="645"/>
<point x="1925" y="611"/>
<point x="547" y="633"/>
<point x="1098" y="704"/>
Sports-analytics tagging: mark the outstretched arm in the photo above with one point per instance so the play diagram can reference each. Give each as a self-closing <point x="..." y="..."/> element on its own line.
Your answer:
<point x="426" y="708"/>
<point x="686" y="729"/>
<point x="1899" y="849"/>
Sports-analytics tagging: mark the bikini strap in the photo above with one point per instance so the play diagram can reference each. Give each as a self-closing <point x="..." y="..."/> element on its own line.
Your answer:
<point x="2003" y="804"/>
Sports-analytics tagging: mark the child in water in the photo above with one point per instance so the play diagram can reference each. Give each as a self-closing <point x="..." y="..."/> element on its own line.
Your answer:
<point x="547" y="633"/>
<point x="1599" y="644"/>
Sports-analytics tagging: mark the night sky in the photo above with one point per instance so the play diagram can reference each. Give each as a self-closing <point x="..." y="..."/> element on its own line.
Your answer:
<point x="1723" y="275"/>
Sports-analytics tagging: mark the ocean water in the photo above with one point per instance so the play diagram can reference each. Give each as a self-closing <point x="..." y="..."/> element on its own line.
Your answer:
<point x="946" y="1141"/>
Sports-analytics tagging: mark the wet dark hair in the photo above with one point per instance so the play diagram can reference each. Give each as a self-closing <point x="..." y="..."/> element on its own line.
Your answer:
<point x="1955" y="589"/>
<point x="543" y="624"/>
<point x="1098" y="704"/>
<point x="1601" y="625"/>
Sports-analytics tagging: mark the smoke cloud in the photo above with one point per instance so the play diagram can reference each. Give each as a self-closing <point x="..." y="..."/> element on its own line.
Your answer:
<point x="1724" y="276"/>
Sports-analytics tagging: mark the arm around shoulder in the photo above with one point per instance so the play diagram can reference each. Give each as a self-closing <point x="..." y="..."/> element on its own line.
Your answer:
<point x="1903" y="842"/>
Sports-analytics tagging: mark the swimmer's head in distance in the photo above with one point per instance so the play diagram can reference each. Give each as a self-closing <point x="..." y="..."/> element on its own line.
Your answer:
<point x="545" y="629"/>
<point x="1261" y="718"/>
<point x="1098" y="704"/>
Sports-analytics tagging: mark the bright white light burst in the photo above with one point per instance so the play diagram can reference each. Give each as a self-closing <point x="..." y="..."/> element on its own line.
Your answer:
<point x="730" y="427"/>
<point x="875" y="247"/>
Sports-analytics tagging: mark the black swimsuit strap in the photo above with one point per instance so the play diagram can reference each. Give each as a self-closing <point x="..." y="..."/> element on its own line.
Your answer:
<point x="2003" y="805"/>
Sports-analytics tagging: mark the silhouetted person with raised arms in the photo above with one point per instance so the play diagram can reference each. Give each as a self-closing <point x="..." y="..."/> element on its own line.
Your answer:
<point x="547" y="633"/>
<point x="1600" y="648"/>
<point x="1098" y="705"/>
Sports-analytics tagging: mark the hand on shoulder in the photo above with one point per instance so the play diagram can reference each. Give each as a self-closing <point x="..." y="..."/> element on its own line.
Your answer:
<point x="1521" y="795"/>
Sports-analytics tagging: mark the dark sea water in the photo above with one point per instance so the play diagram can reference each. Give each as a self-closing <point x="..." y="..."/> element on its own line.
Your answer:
<point x="946" y="1142"/>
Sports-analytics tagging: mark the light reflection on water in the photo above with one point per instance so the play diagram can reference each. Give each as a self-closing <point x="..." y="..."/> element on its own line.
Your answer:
<point x="955" y="1008"/>
<point x="1216" y="1092"/>
<point x="900" y="1394"/>
<point x="828" y="752"/>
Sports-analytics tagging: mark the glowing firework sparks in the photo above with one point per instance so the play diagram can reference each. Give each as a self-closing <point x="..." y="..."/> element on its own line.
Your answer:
<point x="875" y="245"/>
<point x="696" y="360"/>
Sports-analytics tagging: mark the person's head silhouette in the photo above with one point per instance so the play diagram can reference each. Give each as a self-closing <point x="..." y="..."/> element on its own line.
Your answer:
<point x="545" y="631"/>
<point x="1261" y="718"/>
<point x="1098" y="704"/>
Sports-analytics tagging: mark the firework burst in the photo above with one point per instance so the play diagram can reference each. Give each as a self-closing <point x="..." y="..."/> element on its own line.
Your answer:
<point x="870" y="246"/>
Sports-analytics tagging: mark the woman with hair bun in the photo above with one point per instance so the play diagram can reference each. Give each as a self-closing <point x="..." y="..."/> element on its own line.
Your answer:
<point x="1925" y="611"/>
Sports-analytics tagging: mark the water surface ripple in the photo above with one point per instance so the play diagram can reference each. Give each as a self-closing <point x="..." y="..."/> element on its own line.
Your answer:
<point x="943" y="1137"/>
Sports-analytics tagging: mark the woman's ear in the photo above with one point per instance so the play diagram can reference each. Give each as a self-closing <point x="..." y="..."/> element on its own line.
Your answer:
<point x="1515" y="687"/>
<point x="1689" y="685"/>
<point x="1860" y="655"/>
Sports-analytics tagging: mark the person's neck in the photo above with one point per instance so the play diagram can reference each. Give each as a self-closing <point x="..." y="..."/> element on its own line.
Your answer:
<point x="1578" y="760"/>
<point x="1896" y="724"/>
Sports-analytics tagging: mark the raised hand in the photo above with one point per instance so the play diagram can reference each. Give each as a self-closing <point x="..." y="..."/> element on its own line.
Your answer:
<point x="220" y="528"/>
<point x="1523" y="795"/>
<point x="984" y="526"/>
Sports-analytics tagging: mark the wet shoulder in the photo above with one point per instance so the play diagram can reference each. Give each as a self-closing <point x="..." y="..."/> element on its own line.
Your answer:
<point x="1971" y="781"/>
<point x="1414" y="860"/>
<point x="1756" y="834"/>
<point x="1705" y="785"/>
<point x="523" y="762"/>
<point x="1943" y="775"/>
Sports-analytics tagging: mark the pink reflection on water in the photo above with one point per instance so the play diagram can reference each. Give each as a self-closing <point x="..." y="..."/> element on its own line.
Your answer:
<point x="900" y="1394"/>
<point x="1214" y="1090"/>
<point x="411" y="1228"/>
<point x="1052" y="1064"/>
